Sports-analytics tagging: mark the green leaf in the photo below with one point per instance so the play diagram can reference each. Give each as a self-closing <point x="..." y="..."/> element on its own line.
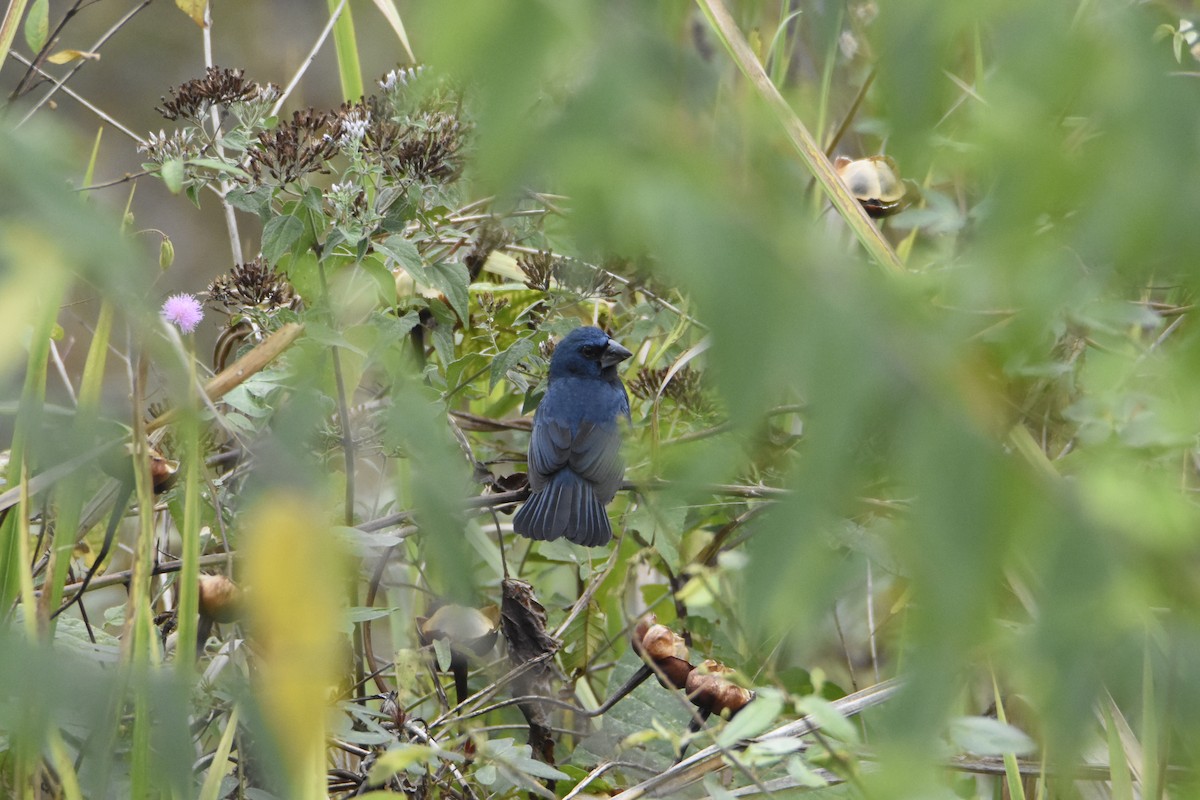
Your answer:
<point x="403" y="252"/>
<point x="450" y="279"/>
<point x="172" y="175"/>
<point x="755" y="718"/>
<point x="829" y="718"/>
<point x="442" y="649"/>
<point x="346" y="46"/>
<point x="37" y="25"/>
<point x="257" y="201"/>
<point x="583" y="638"/>
<point x="803" y="774"/>
<point x="538" y="769"/>
<point x="987" y="736"/>
<point x="505" y="361"/>
<point x="219" y="166"/>
<point x="278" y="237"/>
<point x="399" y="759"/>
<point x="383" y="278"/>
<point x="359" y="614"/>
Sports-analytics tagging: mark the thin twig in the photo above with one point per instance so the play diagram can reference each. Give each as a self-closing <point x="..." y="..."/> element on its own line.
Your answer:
<point x="79" y="99"/>
<point x="60" y="83"/>
<point x="699" y="764"/>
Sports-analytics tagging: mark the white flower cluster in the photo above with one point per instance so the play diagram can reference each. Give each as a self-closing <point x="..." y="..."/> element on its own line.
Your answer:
<point x="400" y="77"/>
<point x="162" y="146"/>
<point x="354" y="126"/>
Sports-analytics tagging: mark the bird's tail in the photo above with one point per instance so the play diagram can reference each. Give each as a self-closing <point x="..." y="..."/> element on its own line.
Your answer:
<point x="565" y="506"/>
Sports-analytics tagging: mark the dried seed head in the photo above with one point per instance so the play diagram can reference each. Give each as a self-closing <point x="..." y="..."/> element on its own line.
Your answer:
<point x="586" y="280"/>
<point x="294" y="149"/>
<point x="685" y="389"/>
<point x="540" y="269"/>
<point x="222" y="87"/>
<point x="254" y="285"/>
<point x="490" y="238"/>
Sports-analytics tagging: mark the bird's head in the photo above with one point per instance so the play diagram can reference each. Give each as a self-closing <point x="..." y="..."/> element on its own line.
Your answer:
<point x="587" y="353"/>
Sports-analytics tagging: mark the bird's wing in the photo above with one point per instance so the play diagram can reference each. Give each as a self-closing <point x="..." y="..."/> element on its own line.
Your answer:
<point x="595" y="455"/>
<point x="549" y="450"/>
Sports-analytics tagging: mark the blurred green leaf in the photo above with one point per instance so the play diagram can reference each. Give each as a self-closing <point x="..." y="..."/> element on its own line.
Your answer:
<point x="279" y="235"/>
<point x="986" y="736"/>
<point x="37" y="25"/>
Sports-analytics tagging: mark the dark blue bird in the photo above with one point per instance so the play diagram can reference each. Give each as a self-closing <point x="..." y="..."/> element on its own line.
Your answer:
<point x="575" y="465"/>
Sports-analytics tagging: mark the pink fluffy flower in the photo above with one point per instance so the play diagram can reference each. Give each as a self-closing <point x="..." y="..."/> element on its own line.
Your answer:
<point x="183" y="310"/>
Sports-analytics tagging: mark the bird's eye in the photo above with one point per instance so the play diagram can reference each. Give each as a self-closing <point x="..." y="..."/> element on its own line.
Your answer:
<point x="590" y="351"/>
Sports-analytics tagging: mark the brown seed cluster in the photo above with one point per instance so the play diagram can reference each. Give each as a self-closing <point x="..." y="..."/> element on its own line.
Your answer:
<point x="708" y="686"/>
<point x="539" y="268"/>
<point x="490" y="238"/>
<point x="252" y="285"/>
<point x="426" y="147"/>
<point x="685" y="389"/>
<point x="544" y="269"/>
<point x="295" y="148"/>
<point x="219" y="87"/>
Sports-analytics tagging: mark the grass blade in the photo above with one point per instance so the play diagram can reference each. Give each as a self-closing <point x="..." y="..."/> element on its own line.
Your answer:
<point x="344" y="39"/>
<point x="810" y="152"/>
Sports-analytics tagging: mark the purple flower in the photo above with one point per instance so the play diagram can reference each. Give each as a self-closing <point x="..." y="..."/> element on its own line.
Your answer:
<point x="183" y="310"/>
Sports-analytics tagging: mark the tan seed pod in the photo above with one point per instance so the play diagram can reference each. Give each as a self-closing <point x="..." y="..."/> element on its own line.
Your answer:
<point x="710" y="691"/>
<point x="463" y="627"/>
<point x="220" y="598"/>
<point x="639" y="630"/>
<point x="661" y="642"/>
<point x="874" y="182"/>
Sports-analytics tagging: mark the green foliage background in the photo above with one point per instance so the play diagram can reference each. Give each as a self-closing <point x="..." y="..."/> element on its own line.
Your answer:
<point x="1003" y="438"/>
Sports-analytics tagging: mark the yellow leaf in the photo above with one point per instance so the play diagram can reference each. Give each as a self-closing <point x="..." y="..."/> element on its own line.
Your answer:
<point x="194" y="9"/>
<point x="67" y="56"/>
<point x="295" y="575"/>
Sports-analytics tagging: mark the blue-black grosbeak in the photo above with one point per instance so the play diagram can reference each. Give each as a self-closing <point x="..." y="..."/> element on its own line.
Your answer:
<point x="575" y="465"/>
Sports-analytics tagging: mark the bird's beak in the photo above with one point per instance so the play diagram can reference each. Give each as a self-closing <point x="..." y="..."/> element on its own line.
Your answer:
<point x="613" y="354"/>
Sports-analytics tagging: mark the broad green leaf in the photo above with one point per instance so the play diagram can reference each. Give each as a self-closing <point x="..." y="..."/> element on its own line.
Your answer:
<point x="279" y="235"/>
<point x="403" y="252"/>
<point x="803" y="774"/>
<point x="451" y="280"/>
<point x="509" y="359"/>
